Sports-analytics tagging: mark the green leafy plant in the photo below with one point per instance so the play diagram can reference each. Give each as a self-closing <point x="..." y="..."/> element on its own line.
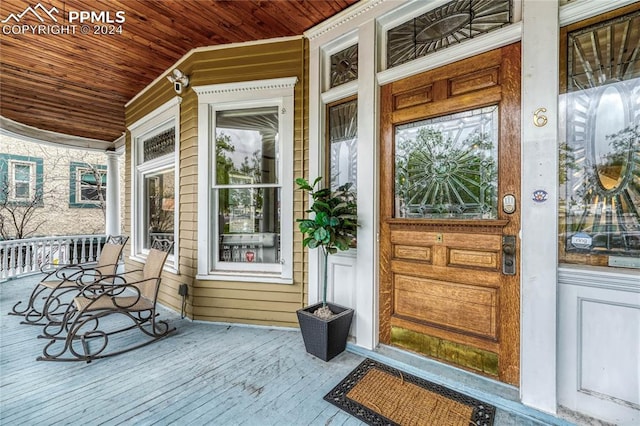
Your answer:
<point x="332" y="223"/>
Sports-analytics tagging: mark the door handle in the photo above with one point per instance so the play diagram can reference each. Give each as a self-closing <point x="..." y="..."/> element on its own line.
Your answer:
<point x="509" y="254"/>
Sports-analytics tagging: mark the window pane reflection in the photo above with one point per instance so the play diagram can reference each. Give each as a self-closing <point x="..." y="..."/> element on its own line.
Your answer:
<point x="246" y="145"/>
<point x="249" y="225"/>
<point x="600" y="153"/>
<point x="159" y="197"/>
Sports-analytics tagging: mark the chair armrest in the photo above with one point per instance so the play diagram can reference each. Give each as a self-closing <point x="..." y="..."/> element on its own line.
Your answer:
<point x="100" y="289"/>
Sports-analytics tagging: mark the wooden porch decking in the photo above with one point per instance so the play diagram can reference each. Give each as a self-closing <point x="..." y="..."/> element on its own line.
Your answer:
<point x="205" y="374"/>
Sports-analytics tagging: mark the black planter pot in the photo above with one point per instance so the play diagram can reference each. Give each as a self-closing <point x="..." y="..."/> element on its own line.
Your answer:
<point x="325" y="338"/>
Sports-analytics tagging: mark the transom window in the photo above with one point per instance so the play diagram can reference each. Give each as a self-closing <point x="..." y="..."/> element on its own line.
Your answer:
<point x="450" y="24"/>
<point x="344" y="66"/>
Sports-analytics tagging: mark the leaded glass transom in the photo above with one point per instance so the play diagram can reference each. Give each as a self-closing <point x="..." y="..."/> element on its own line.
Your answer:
<point x="600" y="157"/>
<point x="159" y="145"/>
<point x="446" y="167"/>
<point x="344" y="66"/>
<point x="444" y="26"/>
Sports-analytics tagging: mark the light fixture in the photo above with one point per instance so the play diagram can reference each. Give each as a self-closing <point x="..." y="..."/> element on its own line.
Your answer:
<point x="179" y="79"/>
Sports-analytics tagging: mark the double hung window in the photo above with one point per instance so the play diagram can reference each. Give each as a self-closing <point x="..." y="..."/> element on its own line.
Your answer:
<point x="87" y="185"/>
<point x="21" y="179"/>
<point x="247" y="230"/>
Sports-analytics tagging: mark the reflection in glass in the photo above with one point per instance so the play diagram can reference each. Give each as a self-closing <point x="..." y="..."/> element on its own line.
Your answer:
<point x="246" y="144"/>
<point x="249" y="224"/>
<point x="160" y="201"/>
<point x="609" y="120"/>
<point x="600" y="158"/>
<point x="92" y="185"/>
<point x="343" y="133"/>
<point x="446" y="167"/>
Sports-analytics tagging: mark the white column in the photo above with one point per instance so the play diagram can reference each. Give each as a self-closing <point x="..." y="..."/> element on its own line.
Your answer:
<point x="112" y="222"/>
<point x="539" y="218"/>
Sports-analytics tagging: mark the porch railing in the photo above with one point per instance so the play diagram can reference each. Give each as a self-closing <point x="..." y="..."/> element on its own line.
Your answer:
<point x="27" y="256"/>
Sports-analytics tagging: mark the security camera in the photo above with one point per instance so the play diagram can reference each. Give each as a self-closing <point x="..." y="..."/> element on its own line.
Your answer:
<point x="179" y="79"/>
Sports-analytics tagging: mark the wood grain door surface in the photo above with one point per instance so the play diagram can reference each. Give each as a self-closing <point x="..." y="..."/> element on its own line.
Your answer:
<point x="444" y="292"/>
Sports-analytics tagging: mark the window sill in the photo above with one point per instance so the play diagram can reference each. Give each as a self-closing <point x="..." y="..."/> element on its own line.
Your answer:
<point x="245" y="277"/>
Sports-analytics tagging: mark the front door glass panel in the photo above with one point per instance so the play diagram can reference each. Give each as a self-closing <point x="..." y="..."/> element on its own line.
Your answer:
<point x="446" y="167"/>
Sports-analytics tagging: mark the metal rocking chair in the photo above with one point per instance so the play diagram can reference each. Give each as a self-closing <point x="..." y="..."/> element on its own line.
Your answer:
<point x="108" y="307"/>
<point x="67" y="279"/>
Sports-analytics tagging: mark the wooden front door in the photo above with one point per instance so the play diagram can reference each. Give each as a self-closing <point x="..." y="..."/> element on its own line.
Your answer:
<point x="450" y="214"/>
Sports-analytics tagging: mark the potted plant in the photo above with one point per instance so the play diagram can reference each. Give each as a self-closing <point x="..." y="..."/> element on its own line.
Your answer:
<point x="331" y="227"/>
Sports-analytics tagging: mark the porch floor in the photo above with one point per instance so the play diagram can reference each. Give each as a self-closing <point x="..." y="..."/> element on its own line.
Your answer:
<point x="203" y="374"/>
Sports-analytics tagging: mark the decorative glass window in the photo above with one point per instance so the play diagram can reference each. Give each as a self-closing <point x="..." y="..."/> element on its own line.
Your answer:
<point x="444" y="26"/>
<point x="600" y="155"/>
<point x="446" y="167"/>
<point x="343" y="143"/>
<point x="344" y="66"/>
<point x="154" y="141"/>
<point x="159" y="145"/>
<point x="87" y="185"/>
<point x="247" y="231"/>
<point x="21" y="179"/>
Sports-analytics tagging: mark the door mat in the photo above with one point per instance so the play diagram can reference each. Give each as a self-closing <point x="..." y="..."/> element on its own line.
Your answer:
<point x="381" y="395"/>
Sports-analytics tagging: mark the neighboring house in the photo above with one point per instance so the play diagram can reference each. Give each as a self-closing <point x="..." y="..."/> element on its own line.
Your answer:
<point x="47" y="190"/>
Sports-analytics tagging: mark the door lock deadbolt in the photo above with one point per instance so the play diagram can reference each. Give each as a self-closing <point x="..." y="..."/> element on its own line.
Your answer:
<point x="509" y="204"/>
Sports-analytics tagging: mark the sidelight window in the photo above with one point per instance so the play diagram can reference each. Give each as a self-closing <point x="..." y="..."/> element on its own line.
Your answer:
<point x="600" y="150"/>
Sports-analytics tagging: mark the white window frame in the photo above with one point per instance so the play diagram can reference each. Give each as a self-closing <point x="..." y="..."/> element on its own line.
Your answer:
<point x="86" y="170"/>
<point x="252" y="94"/>
<point x="12" y="180"/>
<point x="163" y="118"/>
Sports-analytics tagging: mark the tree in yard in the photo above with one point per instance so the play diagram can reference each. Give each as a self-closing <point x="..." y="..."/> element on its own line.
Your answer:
<point x="41" y="204"/>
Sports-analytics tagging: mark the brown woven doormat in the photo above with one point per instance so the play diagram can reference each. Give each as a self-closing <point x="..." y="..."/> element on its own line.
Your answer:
<point x="381" y="395"/>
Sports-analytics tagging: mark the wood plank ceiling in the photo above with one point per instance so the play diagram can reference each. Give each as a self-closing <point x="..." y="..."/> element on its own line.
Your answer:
<point x="77" y="84"/>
